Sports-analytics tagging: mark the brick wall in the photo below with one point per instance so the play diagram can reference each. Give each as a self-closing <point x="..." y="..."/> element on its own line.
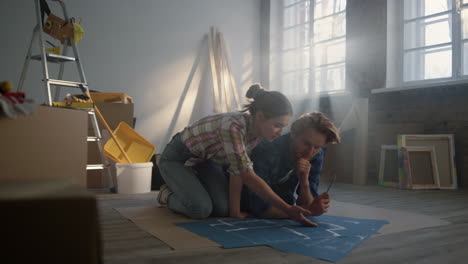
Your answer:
<point x="438" y="110"/>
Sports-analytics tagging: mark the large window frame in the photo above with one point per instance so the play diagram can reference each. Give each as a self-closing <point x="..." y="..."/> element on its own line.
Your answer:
<point x="401" y="76"/>
<point x="304" y="68"/>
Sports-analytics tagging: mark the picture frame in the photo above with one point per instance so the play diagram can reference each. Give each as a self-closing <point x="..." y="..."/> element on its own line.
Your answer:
<point x="420" y="169"/>
<point x="444" y="150"/>
<point x="388" y="169"/>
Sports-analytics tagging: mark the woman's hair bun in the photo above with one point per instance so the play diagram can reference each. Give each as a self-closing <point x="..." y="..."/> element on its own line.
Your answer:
<point x="270" y="103"/>
<point x="254" y="91"/>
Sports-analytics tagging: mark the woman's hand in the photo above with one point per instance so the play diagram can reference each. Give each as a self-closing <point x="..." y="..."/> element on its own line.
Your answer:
<point x="241" y="214"/>
<point x="259" y="186"/>
<point x="297" y="213"/>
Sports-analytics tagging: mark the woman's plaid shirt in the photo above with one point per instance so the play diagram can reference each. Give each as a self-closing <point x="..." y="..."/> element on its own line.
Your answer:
<point x="223" y="138"/>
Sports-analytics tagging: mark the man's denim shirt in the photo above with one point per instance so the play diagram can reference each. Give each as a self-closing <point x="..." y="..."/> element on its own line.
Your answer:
<point x="274" y="163"/>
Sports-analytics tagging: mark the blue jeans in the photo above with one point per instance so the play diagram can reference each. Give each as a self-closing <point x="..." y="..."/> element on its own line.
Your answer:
<point x="198" y="191"/>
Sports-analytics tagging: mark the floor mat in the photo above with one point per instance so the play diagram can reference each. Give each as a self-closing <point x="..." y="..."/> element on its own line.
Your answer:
<point x="160" y="222"/>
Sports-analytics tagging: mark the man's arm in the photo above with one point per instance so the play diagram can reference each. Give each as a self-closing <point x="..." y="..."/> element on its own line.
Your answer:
<point x="310" y="186"/>
<point x="319" y="206"/>
<point x="259" y="186"/>
<point x="315" y="171"/>
<point x="303" y="167"/>
<point x="321" y="202"/>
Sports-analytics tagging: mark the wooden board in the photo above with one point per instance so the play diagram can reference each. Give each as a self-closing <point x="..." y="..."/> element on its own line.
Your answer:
<point x="445" y="153"/>
<point x="388" y="170"/>
<point x="420" y="167"/>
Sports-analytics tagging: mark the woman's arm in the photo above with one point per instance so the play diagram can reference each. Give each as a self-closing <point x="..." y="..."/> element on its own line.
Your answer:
<point x="259" y="186"/>
<point x="235" y="189"/>
<point x="318" y="207"/>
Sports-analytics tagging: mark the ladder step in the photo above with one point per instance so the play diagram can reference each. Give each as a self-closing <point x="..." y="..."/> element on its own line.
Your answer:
<point x="66" y="83"/>
<point x="55" y="58"/>
<point x="92" y="139"/>
<point x="95" y="167"/>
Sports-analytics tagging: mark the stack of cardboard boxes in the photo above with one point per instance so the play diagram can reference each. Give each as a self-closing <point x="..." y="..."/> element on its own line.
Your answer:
<point x="48" y="215"/>
<point x="48" y="144"/>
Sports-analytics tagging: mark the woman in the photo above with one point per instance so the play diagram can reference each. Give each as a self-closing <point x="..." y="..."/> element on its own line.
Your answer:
<point x="206" y="164"/>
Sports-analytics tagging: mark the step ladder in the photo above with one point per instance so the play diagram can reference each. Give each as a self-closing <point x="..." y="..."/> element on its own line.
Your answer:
<point x="45" y="58"/>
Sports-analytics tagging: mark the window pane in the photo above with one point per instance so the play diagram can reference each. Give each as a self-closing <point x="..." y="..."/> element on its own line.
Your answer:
<point x="330" y="78"/>
<point x="438" y="64"/>
<point x="297" y="14"/>
<point x="328" y="7"/>
<point x="428" y="64"/>
<point x="329" y="21"/>
<point x="296" y="60"/>
<point x="330" y="52"/>
<point x="465" y="58"/>
<point x="464" y="17"/>
<point x="296" y="82"/>
<point x="425" y="32"/>
<point x="290" y="2"/>
<point x="296" y="37"/>
<point x="420" y="8"/>
<point x="330" y="27"/>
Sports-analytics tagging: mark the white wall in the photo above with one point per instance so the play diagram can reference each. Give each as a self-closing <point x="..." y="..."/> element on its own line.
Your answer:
<point x="146" y="48"/>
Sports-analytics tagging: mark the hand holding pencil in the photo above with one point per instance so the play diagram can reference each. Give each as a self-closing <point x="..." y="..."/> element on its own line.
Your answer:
<point x="321" y="203"/>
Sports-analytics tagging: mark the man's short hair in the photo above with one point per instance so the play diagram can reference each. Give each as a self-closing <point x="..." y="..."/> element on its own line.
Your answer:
<point x="320" y="123"/>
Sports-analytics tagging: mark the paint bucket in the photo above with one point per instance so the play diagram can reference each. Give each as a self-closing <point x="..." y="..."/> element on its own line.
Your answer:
<point x="133" y="177"/>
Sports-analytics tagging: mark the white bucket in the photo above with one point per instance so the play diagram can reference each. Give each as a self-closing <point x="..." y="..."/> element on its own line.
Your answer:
<point x="133" y="177"/>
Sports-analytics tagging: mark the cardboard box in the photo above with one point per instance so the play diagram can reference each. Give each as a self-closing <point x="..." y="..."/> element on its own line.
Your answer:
<point x="113" y="113"/>
<point x="49" y="144"/>
<point x="48" y="221"/>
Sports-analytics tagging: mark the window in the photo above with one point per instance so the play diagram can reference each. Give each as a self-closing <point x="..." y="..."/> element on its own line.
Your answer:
<point x="312" y="48"/>
<point x="464" y="36"/>
<point x="433" y="41"/>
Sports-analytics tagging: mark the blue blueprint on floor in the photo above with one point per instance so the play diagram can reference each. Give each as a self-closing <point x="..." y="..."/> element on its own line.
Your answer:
<point x="333" y="239"/>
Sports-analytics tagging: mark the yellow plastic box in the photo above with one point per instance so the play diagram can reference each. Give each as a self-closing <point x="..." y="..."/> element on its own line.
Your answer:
<point x="111" y="97"/>
<point x="138" y="149"/>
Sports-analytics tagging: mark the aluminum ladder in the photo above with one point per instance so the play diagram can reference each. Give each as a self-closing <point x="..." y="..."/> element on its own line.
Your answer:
<point x="45" y="58"/>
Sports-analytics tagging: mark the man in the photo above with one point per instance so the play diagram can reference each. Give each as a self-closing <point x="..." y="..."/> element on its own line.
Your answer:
<point x="291" y="165"/>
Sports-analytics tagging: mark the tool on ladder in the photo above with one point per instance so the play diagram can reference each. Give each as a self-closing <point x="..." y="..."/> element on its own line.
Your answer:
<point x="54" y="25"/>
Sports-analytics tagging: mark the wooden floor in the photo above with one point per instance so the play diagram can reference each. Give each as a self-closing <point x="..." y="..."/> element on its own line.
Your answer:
<point x="123" y="242"/>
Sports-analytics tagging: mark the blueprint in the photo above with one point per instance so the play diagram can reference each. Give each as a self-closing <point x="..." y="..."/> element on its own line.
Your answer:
<point x="333" y="239"/>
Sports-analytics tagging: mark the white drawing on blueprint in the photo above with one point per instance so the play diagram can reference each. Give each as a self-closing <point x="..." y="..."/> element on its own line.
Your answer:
<point x="225" y="226"/>
<point x="352" y="222"/>
<point x="333" y="237"/>
<point x="307" y="237"/>
<point x="297" y="233"/>
<point x="331" y="230"/>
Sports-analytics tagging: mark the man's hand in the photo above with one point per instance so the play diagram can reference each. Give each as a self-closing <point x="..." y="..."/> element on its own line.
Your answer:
<point x="302" y="170"/>
<point x="297" y="213"/>
<point x="320" y="205"/>
<point x="259" y="186"/>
